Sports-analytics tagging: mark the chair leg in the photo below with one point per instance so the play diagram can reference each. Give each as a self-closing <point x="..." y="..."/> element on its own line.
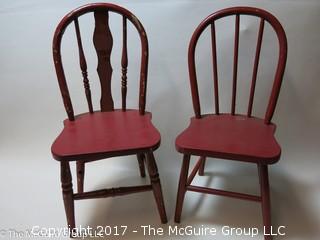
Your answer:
<point x="80" y="175"/>
<point x="182" y="187"/>
<point x="67" y="192"/>
<point x="141" y="158"/>
<point x="265" y="196"/>
<point x="203" y="163"/>
<point x="156" y="186"/>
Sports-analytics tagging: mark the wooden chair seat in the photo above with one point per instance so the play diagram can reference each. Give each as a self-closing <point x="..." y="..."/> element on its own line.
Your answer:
<point x="106" y="134"/>
<point x="229" y="136"/>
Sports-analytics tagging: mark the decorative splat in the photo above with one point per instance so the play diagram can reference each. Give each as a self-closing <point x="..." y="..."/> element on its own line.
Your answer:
<point x="83" y="66"/>
<point x="103" y="42"/>
<point x="124" y="64"/>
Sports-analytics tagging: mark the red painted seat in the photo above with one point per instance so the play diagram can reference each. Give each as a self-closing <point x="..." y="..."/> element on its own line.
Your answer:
<point x="106" y="134"/>
<point x="227" y="136"/>
<point x="109" y="132"/>
<point x="232" y="136"/>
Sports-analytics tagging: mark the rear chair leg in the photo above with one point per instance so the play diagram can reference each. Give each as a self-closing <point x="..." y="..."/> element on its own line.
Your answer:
<point x="265" y="196"/>
<point x="182" y="187"/>
<point x="202" y="165"/>
<point x="80" y="175"/>
<point x="156" y="186"/>
<point x="67" y="192"/>
<point x="141" y="158"/>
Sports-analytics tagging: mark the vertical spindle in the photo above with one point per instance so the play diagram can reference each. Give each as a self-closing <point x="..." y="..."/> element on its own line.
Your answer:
<point x="215" y="69"/>
<point x="124" y="63"/>
<point x="235" y="65"/>
<point x="255" y="67"/>
<point x="83" y="66"/>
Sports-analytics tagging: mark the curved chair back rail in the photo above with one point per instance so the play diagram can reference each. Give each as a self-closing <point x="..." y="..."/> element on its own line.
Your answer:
<point x="238" y="11"/>
<point x="102" y="39"/>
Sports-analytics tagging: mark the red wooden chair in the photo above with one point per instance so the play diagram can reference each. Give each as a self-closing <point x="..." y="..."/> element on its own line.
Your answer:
<point x="229" y="135"/>
<point x="110" y="132"/>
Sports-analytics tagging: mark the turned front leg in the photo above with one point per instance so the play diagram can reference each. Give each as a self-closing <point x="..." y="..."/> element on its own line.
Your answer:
<point x="182" y="187"/>
<point x="156" y="186"/>
<point x="265" y="197"/>
<point x="67" y="192"/>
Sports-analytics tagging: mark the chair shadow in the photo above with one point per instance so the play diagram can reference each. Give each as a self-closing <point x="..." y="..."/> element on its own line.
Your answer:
<point x="133" y="210"/>
<point x="288" y="199"/>
<point x="288" y="203"/>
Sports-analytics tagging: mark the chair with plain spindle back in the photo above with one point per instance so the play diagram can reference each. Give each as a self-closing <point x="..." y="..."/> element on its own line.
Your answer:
<point x="110" y="132"/>
<point x="229" y="135"/>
